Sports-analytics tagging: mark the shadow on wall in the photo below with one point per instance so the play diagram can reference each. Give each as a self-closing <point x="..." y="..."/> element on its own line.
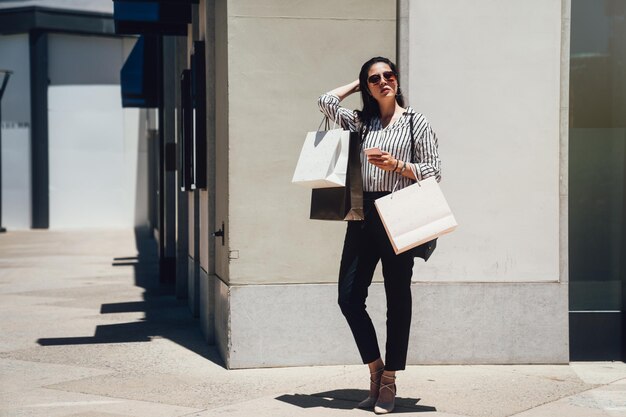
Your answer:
<point x="165" y="316"/>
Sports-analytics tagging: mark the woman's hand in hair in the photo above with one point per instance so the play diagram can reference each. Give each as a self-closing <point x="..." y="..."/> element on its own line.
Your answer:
<point x="384" y="161"/>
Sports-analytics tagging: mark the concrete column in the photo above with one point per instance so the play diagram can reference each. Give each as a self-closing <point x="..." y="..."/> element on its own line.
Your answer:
<point x="208" y="279"/>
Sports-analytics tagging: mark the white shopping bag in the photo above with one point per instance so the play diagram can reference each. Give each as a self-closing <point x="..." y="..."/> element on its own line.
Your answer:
<point x="323" y="161"/>
<point x="415" y="215"/>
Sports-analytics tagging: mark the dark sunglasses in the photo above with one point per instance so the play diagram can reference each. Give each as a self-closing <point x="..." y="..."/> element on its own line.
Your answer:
<point x="375" y="79"/>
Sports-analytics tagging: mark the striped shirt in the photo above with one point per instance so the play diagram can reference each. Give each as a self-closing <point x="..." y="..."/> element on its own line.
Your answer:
<point x="395" y="139"/>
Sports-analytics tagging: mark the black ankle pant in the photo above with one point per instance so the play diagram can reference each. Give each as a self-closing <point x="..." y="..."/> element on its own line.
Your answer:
<point x="365" y="244"/>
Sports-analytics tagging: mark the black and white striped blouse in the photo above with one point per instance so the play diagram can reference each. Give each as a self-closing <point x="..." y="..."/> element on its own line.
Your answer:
<point x="395" y="139"/>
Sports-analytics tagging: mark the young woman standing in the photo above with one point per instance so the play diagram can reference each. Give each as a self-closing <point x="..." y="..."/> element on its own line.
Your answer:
<point x="408" y="147"/>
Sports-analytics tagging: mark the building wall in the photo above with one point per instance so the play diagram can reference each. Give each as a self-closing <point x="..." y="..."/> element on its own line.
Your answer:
<point x="497" y="95"/>
<point x="492" y="93"/>
<point x="501" y="276"/>
<point x="97" y="150"/>
<point x="272" y="61"/>
<point x="16" y="121"/>
<point x="223" y="50"/>
<point x="282" y="56"/>
<point x="208" y="279"/>
<point x="102" y="6"/>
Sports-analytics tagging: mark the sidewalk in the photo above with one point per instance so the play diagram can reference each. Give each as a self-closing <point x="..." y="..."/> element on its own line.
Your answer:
<point x="87" y="331"/>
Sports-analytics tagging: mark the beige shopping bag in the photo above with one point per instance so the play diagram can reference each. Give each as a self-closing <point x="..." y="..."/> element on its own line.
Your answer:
<point x="416" y="214"/>
<point x="323" y="160"/>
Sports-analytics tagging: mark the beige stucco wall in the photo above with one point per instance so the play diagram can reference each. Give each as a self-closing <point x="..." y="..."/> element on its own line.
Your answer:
<point x="281" y="57"/>
<point x="222" y="122"/>
<point x="273" y="59"/>
<point x="206" y="33"/>
<point x="490" y="81"/>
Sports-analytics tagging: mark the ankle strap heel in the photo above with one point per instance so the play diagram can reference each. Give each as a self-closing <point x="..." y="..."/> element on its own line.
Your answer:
<point x="386" y="407"/>
<point x="370" y="401"/>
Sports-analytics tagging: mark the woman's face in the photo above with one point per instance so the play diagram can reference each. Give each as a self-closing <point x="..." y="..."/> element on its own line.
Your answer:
<point x="382" y="82"/>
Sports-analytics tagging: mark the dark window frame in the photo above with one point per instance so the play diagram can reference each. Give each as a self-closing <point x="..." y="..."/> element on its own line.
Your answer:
<point x="198" y="81"/>
<point x="187" y="126"/>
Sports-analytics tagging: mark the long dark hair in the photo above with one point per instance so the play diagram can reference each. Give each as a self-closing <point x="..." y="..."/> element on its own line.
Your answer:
<point x="370" y="105"/>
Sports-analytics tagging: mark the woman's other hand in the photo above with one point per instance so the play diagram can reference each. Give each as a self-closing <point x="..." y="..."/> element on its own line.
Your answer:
<point x="384" y="161"/>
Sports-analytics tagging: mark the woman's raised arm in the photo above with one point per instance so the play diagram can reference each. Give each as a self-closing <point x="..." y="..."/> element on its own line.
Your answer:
<point x="329" y="105"/>
<point x="345" y="90"/>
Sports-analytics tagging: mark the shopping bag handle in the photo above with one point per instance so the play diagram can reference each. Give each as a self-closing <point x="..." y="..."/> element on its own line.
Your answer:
<point x="327" y="120"/>
<point x="414" y="171"/>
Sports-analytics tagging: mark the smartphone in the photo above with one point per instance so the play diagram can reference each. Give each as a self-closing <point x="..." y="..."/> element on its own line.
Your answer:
<point x="373" y="151"/>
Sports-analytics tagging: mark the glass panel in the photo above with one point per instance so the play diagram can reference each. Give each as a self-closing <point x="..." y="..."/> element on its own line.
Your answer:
<point x="597" y="155"/>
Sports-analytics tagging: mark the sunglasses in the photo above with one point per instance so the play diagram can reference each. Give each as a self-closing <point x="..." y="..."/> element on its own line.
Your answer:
<point x="375" y="79"/>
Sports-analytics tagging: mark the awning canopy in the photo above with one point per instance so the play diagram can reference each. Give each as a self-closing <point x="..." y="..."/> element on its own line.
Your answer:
<point x="156" y="17"/>
<point x="139" y="75"/>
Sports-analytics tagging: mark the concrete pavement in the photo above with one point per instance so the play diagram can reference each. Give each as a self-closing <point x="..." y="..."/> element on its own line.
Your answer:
<point x="87" y="331"/>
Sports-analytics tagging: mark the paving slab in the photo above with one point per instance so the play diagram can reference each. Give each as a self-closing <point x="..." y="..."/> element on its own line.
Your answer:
<point x="88" y="331"/>
<point x="44" y="402"/>
<point x="24" y="375"/>
<point x="477" y="390"/>
<point x="599" y="372"/>
<point x="210" y="390"/>
<point x="609" y="400"/>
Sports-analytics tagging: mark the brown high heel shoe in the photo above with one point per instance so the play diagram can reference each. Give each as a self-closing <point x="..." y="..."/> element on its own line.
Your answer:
<point x="386" y="407"/>
<point x="370" y="401"/>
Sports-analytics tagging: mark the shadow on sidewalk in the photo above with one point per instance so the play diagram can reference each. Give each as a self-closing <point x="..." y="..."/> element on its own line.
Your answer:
<point x="347" y="399"/>
<point x="165" y="316"/>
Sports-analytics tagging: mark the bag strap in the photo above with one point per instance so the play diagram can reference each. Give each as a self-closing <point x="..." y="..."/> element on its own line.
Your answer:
<point x="326" y="122"/>
<point x="411" y="167"/>
<point x="412" y="138"/>
<point x="364" y="131"/>
<point x="413" y="149"/>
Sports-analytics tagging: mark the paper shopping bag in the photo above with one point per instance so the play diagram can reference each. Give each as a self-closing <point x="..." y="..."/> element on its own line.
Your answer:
<point x="323" y="159"/>
<point x="342" y="203"/>
<point x="416" y="214"/>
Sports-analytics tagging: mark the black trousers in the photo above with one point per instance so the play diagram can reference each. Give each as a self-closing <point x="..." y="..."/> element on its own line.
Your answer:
<point x="366" y="244"/>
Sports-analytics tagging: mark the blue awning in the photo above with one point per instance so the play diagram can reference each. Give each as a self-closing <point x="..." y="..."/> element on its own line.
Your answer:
<point x="139" y="77"/>
<point x="157" y="17"/>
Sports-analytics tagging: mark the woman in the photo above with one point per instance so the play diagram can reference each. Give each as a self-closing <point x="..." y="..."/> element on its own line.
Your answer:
<point x="408" y="148"/>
